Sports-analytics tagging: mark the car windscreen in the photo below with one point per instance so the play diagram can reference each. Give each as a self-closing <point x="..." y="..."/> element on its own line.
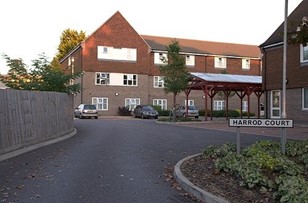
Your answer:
<point x="89" y="107"/>
<point x="192" y="108"/>
<point x="147" y="108"/>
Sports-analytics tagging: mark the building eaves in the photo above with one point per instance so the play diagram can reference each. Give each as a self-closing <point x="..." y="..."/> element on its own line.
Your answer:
<point x="204" y="47"/>
<point x="293" y="20"/>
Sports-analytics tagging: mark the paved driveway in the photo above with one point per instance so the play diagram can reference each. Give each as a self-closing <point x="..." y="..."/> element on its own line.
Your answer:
<point x="107" y="161"/>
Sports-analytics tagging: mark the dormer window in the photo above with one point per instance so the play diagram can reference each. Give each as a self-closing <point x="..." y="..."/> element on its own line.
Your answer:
<point x="220" y="62"/>
<point x="190" y="60"/>
<point x="159" y="58"/>
<point x="245" y="64"/>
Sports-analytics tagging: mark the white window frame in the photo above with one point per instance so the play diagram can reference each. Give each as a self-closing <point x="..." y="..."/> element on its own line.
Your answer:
<point x="158" y="82"/>
<point x="244" y="106"/>
<point x="190" y="102"/>
<point x="190" y="60"/>
<point x="305" y="98"/>
<point x="160" y="102"/>
<point x="275" y="105"/>
<point x="220" y="62"/>
<point x="118" y="54"/>
<point x="219" y="105"/>
<point x="158" y="58"/>
<point x="131" y="103"/>
<point x="131" y="79"/>
<point x="103" y="78"/>
<point x="101" y="103"/>
<point x="304" y="54"/>
<point x="245" y="64"/>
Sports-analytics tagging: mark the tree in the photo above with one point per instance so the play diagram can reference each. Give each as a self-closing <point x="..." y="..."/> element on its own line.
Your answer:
<point x="43" y="76"/>
<point x="300" y="35"/>
<point x="176" y="76"/>
<point x="17" y="75"/>
<point x="69" y="39"/>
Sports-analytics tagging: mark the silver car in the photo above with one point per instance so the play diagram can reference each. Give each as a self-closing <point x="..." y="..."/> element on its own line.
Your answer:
<point x="86" y="111"/>
<point x="180" y="111"/>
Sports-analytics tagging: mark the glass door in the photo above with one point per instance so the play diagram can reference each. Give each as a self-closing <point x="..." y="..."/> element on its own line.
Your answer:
<point x="275" y="104"/>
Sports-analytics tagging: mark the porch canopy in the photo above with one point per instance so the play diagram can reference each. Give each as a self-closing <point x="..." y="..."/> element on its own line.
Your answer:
<point x="211" y="84"/>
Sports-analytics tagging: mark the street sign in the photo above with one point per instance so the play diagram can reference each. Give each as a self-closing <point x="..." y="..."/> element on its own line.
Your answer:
<point x="267" y="123"/>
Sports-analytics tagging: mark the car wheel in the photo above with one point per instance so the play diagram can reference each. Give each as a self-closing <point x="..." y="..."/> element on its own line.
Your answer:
<point x="96" y="117"/>
<point x="156" y="117"/>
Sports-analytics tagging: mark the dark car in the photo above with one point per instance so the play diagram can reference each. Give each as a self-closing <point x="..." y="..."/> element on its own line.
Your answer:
<point x="86" y="111"/>
<point x="145" y="111"/>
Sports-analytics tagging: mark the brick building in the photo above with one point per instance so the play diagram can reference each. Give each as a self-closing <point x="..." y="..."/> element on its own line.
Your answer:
<point x="296" y="71"/>
<point x="121" y="67"/>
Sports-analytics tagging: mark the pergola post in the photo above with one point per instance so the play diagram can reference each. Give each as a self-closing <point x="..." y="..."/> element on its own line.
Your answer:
<point x="259" y="94"/>
<point x="241" y="96"/>
<point x="205" y="90"/>
<point x="227" y="94"/>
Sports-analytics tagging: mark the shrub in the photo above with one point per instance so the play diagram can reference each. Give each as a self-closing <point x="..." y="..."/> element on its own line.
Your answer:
<point x="160" y="111"/>
<point x="262" y="165"/>
<point x="220" y="113"/>
<point x="124" y="111"/>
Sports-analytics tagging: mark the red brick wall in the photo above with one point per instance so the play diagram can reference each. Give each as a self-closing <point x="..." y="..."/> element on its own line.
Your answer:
<point x="297" y="74"/>
<point x="116" y="32"/>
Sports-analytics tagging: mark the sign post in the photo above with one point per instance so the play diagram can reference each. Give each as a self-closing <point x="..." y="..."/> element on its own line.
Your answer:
<point x="263" y="123"/>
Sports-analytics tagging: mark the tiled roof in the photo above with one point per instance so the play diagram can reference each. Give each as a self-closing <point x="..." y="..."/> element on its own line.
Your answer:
<point x="204" y="47"/>
<point x="293" y="20"/>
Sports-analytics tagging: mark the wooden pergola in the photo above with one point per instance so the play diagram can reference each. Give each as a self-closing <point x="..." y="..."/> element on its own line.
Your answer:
<point x="211" y="84"/>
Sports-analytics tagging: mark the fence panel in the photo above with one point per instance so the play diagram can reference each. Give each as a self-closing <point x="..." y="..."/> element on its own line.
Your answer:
<point x="31" y="117"/>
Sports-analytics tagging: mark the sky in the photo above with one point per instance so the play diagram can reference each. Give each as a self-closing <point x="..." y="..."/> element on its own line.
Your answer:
<point x="33" y="27"/>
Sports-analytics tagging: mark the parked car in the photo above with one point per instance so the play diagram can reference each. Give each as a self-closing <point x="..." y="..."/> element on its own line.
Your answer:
<point x="145" y="111"/>
<point x="180" y="111"/>
<point x="86" y="111"/>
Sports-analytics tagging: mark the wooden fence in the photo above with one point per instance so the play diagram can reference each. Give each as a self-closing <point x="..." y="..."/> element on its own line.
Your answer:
<point x="31" y="117"/>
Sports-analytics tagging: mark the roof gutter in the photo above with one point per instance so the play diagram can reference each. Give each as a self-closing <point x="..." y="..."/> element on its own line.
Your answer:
<point x="273" y="45"/>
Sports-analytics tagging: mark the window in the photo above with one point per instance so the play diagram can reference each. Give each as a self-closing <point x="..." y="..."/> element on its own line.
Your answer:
<point x="158" y="81"/>
<point x="160" y="102"/>
<point x="219" y="105"/>
<point x="275" y="104"/>
<point x="245" y="64"/>
<point x="159" y="57"/>
<point x="130" y="79"/>
<point x="304" y="54"/>
<point x="101" y="103"/>
<point x="120" y="54"/>
<point x="220" y="62"/>
<point x="244" y="105"/>
<point x="131" y="103"/>
<point x="102" y="78"/>
<point x="190" y="102"/>
<point x="305" y="98"/>
<point x="190" y="60"/>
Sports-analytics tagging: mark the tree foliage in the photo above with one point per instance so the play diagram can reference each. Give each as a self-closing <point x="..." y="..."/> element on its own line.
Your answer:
<point x="300" y="35"/>
<point x="176" y="76"/>
<point x="42" y="77"/>
<point x="69" y="39"/>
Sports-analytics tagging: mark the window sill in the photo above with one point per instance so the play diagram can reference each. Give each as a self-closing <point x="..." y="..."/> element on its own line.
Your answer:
<point x="304" y="64"/>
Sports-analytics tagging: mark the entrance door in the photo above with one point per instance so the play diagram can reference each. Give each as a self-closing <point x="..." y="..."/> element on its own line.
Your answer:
<point x="275" y="104"/>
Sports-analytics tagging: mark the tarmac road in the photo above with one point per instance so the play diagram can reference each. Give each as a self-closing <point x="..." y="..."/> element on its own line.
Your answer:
<point x="112" y="161"/>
